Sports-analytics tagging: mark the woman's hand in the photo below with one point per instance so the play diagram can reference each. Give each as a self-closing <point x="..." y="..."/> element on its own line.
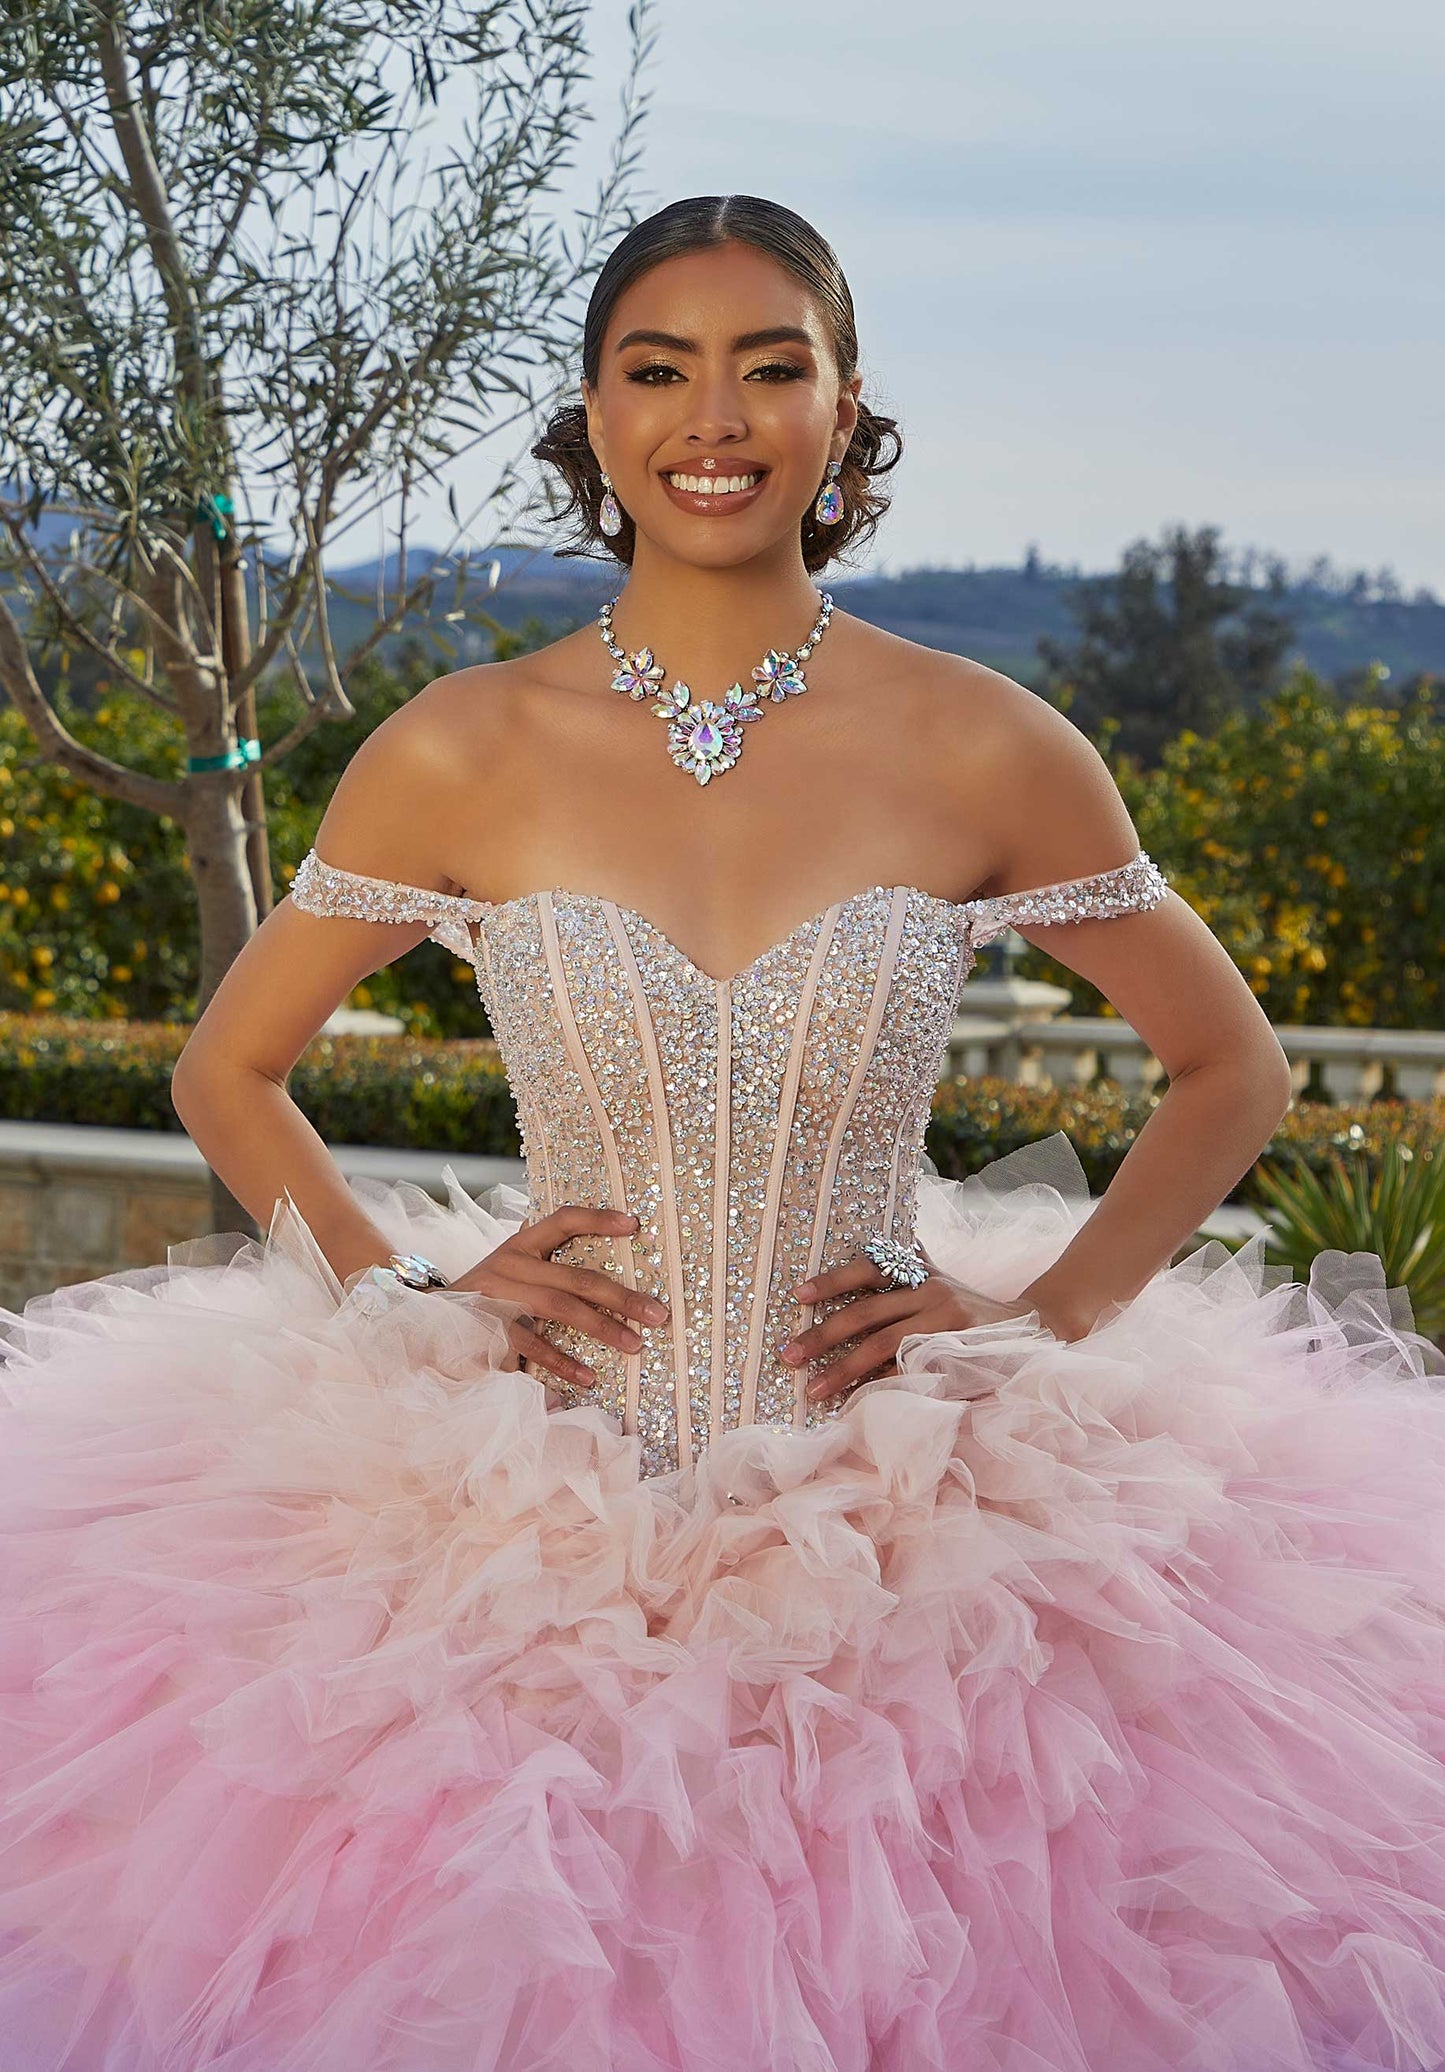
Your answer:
<point x="881" y="1320"/>
<point x="521" y="1270"/>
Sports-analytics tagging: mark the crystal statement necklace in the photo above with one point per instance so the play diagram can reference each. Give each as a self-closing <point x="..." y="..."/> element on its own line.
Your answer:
<point x="707" y="738"/>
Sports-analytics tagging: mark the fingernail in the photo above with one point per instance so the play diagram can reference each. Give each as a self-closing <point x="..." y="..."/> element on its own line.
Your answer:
<point x="632" y="1340"/>
<point x="804" y="1288"/>
<point x="656" y="1310"/>
<point x="789" y="1352"/>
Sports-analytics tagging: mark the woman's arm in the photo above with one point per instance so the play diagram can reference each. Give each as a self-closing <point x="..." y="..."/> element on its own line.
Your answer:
<point x="386" y="819"/>
<point x="1177" y="987"/>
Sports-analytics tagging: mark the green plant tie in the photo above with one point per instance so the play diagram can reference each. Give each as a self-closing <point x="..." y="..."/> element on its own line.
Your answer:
<point x="215" y="509"/>
<point x="234" y="758"/>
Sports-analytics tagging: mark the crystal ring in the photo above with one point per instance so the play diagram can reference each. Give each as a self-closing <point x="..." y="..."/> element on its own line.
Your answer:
<point x="902" y="1266"/>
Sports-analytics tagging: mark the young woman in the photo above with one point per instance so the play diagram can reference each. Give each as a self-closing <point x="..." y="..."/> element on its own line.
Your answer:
<point x="748" y="1603"/>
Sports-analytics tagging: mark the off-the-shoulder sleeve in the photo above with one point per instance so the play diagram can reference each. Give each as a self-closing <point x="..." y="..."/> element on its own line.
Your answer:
<point x="321" y="888"/>
<point x="1129" y="888"/>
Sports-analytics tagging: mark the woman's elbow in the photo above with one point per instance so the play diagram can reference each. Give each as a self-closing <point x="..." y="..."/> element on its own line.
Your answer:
<point x="1276" y="1074"/>
<point x="203" y="1081"/>
<point x="190" y="1084"/>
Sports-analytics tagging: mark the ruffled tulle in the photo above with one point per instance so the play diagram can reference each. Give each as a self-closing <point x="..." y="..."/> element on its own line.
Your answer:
<point x="1058" y="1708"/>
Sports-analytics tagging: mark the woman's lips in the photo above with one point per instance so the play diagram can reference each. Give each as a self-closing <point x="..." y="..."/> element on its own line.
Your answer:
<point x="707" y="504"/>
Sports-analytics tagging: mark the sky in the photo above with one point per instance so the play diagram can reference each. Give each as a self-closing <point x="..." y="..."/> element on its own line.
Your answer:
<point x="1115" y="267"/>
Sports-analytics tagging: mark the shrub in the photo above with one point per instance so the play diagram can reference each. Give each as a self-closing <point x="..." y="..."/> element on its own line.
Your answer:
<point x="97" y="916"/>
<point x="97" y="908"/>
<point x="1306" y="834"/>
<point x="1392" y="1204"/>
<point x="432" y="1095"/>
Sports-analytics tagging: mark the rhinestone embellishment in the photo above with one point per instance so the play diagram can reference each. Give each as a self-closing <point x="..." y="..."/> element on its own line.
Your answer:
<point x="902" y="1266"/>
<point x="706" y="738"/>
<point x="763" y="1128"/>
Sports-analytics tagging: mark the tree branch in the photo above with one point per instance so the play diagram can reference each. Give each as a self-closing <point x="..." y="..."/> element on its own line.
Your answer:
<point x="73" y="623"/>
<point x="147" y="192"/>
<point x="248" y="187"/>
<point x="18" y="679"/>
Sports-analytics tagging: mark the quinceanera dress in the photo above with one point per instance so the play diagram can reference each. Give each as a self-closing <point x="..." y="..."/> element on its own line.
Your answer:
<point x="1047" y="1707"/>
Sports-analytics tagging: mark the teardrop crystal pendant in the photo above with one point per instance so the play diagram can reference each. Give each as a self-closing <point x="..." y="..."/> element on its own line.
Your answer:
<point x="609" y="516"/>
<point x="829" y="507"/>
<point x="706" y="738"/>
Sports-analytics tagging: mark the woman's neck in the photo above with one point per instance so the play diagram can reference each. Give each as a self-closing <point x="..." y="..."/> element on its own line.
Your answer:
<point x="710" y="626"/>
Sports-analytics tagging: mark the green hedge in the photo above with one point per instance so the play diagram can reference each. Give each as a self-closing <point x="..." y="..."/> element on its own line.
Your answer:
<point x="975" y="1120"/>
<point x="431" y="1094"/>
<point x="453" y="1096"/>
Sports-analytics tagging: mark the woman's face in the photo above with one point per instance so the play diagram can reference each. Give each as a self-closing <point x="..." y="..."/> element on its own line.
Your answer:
<point x="716" y="367"/>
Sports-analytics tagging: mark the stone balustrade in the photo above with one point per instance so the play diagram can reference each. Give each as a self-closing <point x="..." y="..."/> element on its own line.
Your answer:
<point x="1344" y="1064"/>
<point x="1013" y="1028"/>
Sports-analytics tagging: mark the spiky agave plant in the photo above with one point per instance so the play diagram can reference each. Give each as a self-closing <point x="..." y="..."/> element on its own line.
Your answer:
<point x="1393" y="1205"/>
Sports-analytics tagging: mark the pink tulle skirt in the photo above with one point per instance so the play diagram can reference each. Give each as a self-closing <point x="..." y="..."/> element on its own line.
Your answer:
<point x="362" y="1708"/>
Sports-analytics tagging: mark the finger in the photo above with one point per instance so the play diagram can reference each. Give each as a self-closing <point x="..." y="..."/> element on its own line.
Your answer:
<point x="574" y="1219"/>
<point x="864" y="1313"/>
<point x="605" y="1291"/>
<point x="858" y="1364"/>
<point x="546" y="1299"/>
<point x="541" y="1286"/>
<point x="531" y="1345"/>
<point x="544" y="1287"/>
<point x="840" y="1280"/>
<point x="859" y="1271"/>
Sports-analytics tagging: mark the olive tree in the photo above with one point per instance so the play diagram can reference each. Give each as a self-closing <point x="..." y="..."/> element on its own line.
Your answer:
<point x="244" y="313"/>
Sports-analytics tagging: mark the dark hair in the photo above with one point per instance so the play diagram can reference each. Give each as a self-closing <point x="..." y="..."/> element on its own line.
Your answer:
<point x="693" y="225"/>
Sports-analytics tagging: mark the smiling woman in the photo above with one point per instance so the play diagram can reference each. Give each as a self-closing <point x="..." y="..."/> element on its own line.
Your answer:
<point x="745" y="1601"/>
<point x="739" y="229"/>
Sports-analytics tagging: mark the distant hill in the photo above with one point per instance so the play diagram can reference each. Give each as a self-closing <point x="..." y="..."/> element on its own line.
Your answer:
<point x="995" y="615"/>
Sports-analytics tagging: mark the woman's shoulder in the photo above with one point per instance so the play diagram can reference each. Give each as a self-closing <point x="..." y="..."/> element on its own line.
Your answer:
<point x="1032" y="787"/>
<point x="424" y="778"/>
<point x="968" y="706"/>
<point x="465" y="726"/>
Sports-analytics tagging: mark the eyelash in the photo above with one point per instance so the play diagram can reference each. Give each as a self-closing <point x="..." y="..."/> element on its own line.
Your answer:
<point x="787" y="368"/>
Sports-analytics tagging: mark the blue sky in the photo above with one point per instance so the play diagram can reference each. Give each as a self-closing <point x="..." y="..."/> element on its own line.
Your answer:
<point x="1115" y="266"/>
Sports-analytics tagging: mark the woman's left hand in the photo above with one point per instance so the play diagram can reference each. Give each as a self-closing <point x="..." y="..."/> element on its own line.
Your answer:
<point x="882" y="1319"/>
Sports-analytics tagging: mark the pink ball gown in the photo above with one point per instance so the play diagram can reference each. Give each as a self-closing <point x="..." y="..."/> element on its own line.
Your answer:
<point x="367" y="1706"/>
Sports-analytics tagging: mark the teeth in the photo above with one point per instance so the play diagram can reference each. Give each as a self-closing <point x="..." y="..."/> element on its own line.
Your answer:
<point x="709" y="485"/>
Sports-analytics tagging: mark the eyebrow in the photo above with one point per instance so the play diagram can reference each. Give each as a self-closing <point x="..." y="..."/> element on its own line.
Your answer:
<point x="777" y="334"/>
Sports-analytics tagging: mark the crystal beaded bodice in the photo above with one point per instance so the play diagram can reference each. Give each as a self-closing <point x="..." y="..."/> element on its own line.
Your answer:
<point x="761" y="1128"/>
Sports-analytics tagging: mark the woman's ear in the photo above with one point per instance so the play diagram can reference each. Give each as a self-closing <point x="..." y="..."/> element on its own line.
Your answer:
<point x="589" y="404"/>
<point x="848" y="395"/>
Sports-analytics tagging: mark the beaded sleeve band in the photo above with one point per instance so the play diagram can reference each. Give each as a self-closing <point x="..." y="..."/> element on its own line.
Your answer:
<point x="1130" y="887"/>
<point x="320" y="888"/>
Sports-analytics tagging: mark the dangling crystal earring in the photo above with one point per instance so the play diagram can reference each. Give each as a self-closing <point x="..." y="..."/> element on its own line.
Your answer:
<point x="829" y="507"/>
<point x="609" y="517"/>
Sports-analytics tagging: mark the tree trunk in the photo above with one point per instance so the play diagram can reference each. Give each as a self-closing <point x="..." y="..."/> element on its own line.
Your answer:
<point x="235" y="654"/>
<point x="216" y="843"/>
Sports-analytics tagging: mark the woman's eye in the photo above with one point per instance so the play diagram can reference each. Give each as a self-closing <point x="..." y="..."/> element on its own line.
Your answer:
<point x="780" y="370"/>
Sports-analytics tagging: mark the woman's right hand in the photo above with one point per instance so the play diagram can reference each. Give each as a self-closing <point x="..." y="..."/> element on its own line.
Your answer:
<point x="521" y="1270"/>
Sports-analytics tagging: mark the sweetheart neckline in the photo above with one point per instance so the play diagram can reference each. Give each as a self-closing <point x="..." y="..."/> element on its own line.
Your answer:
<point x="433" y="906"/>
<point x="784" y="942"/>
